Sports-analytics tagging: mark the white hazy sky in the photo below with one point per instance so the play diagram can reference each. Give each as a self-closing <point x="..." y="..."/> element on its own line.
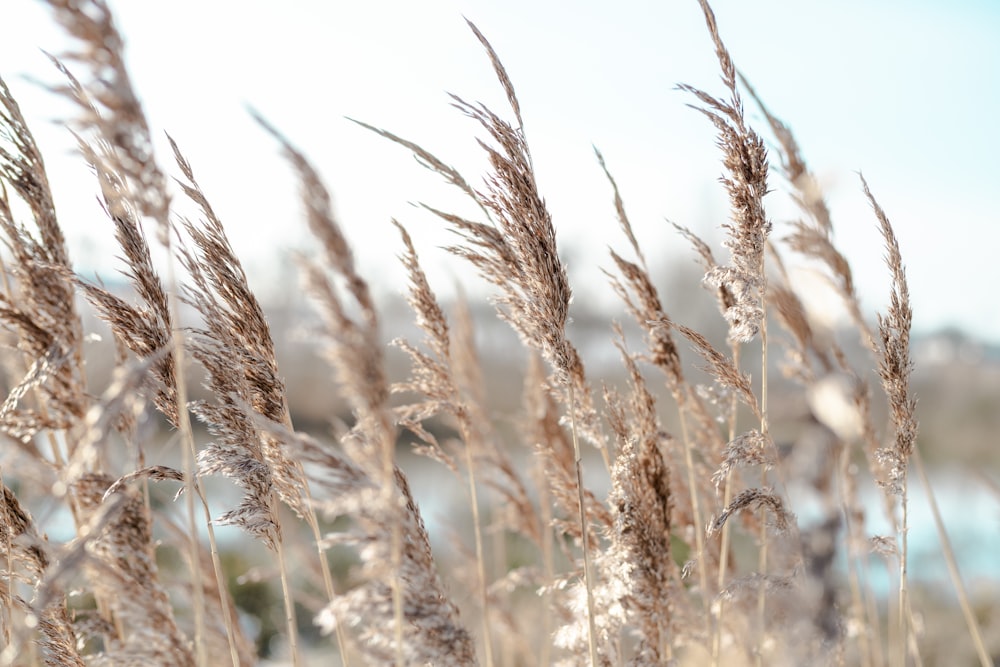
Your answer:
<point x="906" y="91"/>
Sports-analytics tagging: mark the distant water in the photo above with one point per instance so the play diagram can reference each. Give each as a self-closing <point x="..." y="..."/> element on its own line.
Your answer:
<point x="970" y="510"/>
<point x="971" y="515"/>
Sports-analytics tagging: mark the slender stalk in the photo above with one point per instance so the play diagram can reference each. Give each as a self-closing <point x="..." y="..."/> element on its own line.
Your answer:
<point x="853" y="575"/>
<point x="952" y="563"/>
<point x="871" y="606"/>
<point x="904" y="599"/>
<point x="727" y="496"/>
<point x="699" y="537"/>
<point x="912" y="647"/>
<point x="193" y="489"/>
<point x="324" y="567"/>
<point x="480" y="559"/>
<point x="765" y="432"/>
<point x="585" y="535"/>
<point x="509" y="645"/>
<point x="313" y="522"/>
<point x="397" y="587"/>
<point x="5" y="594"/>
<point x="287" y="596"/>
<point x="392" y="504"/>
<point x="220" y="578"/>
<point x="548" y="562"/>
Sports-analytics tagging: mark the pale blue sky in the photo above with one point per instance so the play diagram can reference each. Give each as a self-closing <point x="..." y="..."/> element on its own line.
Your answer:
<point x="907" y="92"/>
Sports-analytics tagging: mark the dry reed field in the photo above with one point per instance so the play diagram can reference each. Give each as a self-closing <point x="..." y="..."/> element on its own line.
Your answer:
<point x="682" y="548"/>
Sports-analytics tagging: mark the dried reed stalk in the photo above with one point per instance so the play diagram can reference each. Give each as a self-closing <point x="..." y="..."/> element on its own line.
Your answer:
<point x="745" y="161"/>
<point x="894" y="370"/>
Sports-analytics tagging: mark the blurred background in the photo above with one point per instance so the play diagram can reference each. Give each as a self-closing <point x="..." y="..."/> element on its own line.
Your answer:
<point x="904" y="92"/>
